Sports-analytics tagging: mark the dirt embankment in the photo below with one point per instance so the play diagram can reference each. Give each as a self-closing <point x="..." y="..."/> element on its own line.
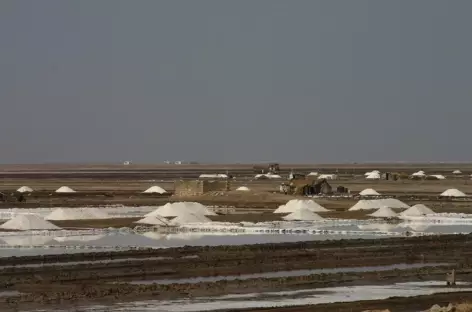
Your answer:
<point x="67" y="282"/>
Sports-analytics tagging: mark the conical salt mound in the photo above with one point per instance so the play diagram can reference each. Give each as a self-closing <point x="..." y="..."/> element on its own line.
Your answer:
<point x="181" y="208"/>
<point x="155" y="189"/>
<point x="393" y="203"/>
<point x="243" y="188"/>
<point x="303" y="214"/>
<point x="453" y="193"/>
<point x="296" y="204"/>
<point x="154" y="220"/>
<point x="416" y="211"/>
<point x="384" y="212"/>
<point x="77" y="214"/>
<point x="25" y="189"/>
<point x="190" y="218"/>
<point x="28" y="222"/>
<point x="65" y="189"/>
<point x="366" y="204"/>
<point x="369" y="192"/>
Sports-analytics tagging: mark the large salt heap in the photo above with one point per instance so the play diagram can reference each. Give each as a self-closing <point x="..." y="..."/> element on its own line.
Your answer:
<point x="369" y="192"/>
<point x="452" y="193"/>
<point x="416" y="211"/>
<point x="26" y="222"/>
<point x="384" y="212"/>
<point x="296" y="204"/>
<point x="181" y="208"/>
<point x="394" y="203"/>
<point x="155" y="189"/>
<point x="303" y="214"/>
<point x="77" y="214"/>
<point x="65" y="189"/>
<point x="366" y="204"/>
<point x="25" y="189"/>
<point x="243" y="188"/>
<point x="189" y="218"/>
<point x="373" y="176"/>
<point x="154" y="220"/>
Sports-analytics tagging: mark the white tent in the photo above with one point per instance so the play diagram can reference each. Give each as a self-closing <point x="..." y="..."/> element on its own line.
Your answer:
<point x="155" y="189"/>
<point x="28" y="222"/>
<point x="384" y="212"/>
<point x="296" y="204"/>
<point x="453" y="193"/>
<point x="417" y="210"/>
<point x="303" y="214"/>
<point x="65" y="189"/>
<point x="373" y="176"/>
<point x="369" y="192"/>
<point x="243" y="188"/>
<point x="25" y="189"/>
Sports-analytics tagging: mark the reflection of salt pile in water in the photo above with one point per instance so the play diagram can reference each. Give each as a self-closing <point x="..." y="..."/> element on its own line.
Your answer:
<point x="65" y="189"/>
<point x="418" y="227"/>
<point x="155" y="189"/>
<point x="384" y="212"/>
<point x="28" y="240"/>
<point x="28" y="222"/>
<point x="378" y="226"/>
<point x="416" y="211"/>
<point x="181" y="208"/>
<point x="81" y="238"/>
<point x="303" y="214"/>
<point x="296" y="204"/>
<point x="368" y="204"/>
<point x="185" y="236"/>
<point x="453" y="193"/>
<point x="153" y="235"/>
<point x="243" y="188"/>
<point x="77" y="214"/>
<point x="25" y="189"/>
<point x="369" y="192"/>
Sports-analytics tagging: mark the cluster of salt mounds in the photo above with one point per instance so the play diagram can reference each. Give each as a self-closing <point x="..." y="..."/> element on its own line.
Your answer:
<point x="296" y="204"/>
<point x="28" y="222"/>
<point x="368" y="204"/>
<point x="303" y="214"/>
<point x="180" y="209"/>
<point x="243" y="188"/>
<point x="65" y="189"/>
<point x="155" y="189"/>
<point x="416" y="211"/>
<point x="452" y="193"/>
<point x="77" y="214"/>
<point x="25" y="189"/>
<point x="369" y="192"/>
<point x="384" y="212"/>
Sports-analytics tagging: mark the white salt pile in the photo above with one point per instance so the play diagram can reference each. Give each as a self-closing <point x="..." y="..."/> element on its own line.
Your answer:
<point x="154" y="220"/>
<point x="65" y="189"/>
<point x="27" y="240"/>
<point x="457" y="172"/>
<point x="303" y="214"/>
<point x="155" y="189"/>
<point x="26" y="222"/>
<point x="25" y="189"/>
<point x="367" y="204"/>
<point x="417" y="210"/>
<point x="314" y="173"/>
<point x="369" y="192"/>
<point x="438" y="176"/>
<point x="418" y="174"/>
<point x="181" y="208"/>
<point x="373" y="176"/>
<point x="296" y="204"/>
<point x="189" y="218"/>
<point x="453" y="193"/>
<point x="77" y="214"/>
<point x="384" y="212"/>
<point x="243" y="188"/>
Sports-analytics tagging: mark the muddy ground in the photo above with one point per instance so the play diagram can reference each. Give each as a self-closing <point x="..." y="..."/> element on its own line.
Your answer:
<point x="95" y="281"/>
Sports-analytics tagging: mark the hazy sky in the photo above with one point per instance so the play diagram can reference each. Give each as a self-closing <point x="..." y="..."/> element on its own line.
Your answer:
<point x="240" y="80"/>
